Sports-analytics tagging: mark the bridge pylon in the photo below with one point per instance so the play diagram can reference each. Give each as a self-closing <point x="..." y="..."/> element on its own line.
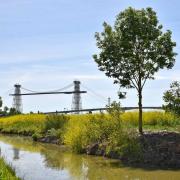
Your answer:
<point x="76" y="99"/>
<point x="17" y="100"/>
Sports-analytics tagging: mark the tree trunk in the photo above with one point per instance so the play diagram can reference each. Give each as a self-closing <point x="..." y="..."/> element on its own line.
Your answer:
<point x="140" y="111"/>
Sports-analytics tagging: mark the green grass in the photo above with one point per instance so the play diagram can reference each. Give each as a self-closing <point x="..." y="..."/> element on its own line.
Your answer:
<point x="6" y="172"/>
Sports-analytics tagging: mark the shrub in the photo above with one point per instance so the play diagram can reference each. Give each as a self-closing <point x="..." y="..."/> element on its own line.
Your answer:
<point x="89" y="129"/>
<point x="75" y="133"/>
<point x="36" y="136"/>
<point x="55" y="125"/>
<point x="172" y="98"/>
<point x="125" y="143"/>
<point x="55" y="122"/>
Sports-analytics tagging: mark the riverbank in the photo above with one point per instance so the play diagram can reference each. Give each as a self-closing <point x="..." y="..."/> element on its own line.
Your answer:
<point x="158" y="150"/>
<point x="111" y="135"/>
<point x="6" y="172"/>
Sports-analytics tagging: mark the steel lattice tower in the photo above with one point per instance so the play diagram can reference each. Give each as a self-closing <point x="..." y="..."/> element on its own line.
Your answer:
<point x="76" y="99"/>
<point x="17" y="100"/>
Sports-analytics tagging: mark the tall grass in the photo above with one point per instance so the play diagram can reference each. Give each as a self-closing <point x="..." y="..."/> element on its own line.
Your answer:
<point x="23" y="124"/>
<point x="6" y="172"/>
<point x="39" y="123"/>
<point x="154" y="118"/>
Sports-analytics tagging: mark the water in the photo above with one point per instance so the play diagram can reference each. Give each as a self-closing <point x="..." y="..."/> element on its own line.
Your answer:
<point x="36" y="161"/>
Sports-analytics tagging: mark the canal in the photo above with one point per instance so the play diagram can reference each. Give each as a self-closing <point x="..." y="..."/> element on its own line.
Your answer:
<point x="37" y="161"/>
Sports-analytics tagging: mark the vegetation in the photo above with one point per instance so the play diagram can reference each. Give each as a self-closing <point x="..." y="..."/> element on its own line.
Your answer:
<point x="41" y="124"/>
<point x="22" y="124"/>
<point x="7" y="111"/>
<point x="6" y="172"/>
<point x="172" y="98"/>
<point x="115" y="130"/>
<point x="134" y="50"/>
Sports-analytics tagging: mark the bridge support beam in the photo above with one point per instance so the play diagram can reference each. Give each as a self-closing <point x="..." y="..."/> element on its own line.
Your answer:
<point x="76" y="99"/>
<point x="17" y="100"/>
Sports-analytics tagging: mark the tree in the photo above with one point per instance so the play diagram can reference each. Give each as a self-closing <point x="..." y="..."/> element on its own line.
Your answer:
<point x="13" y="111"/>
<point x="1" y="102"/>
<point x="172" y="98"/>
<point x="134" y="50"/>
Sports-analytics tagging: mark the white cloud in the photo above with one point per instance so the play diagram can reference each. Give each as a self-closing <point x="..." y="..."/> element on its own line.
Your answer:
<point x="173" y="75"/>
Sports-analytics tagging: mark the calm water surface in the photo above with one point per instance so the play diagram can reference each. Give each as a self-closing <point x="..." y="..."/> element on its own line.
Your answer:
<point x="36" y="161"/>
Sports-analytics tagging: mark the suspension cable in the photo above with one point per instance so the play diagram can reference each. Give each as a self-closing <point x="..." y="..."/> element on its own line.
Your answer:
<point x="29" y="90"/>
<point x="64" y="88"/>
<point x="95" y="94"/>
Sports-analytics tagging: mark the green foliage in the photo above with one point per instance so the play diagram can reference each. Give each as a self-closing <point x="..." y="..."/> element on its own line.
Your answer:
<point x="7" y="111"/>
<point x="115" y="129"/>
<point x="36" y="136"/>
<point x="13" y="111"/>
<point x="114" y="108"/>
<point x="55" y="122"/>
<point x="55" y="125"/>
<point x="6" y="172"/>
<point x="135" y="47"/>
<point x="1" y="102"/>
<point x="134" y="50"/>
<point x="22" y="124"/>
<point x="172" y="98"/>
<point x="152" y="118"/>
<point x="76" y="132"/>
<point x="125" y="143"/>
<point x="95" y="128"/>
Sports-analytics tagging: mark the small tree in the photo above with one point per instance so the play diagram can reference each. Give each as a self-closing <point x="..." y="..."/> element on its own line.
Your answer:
<point x="134" y="50"/>
<point x="114" y="109"/>
<point x="13" y="111"/>
<point x="1" y="102"/>
<point x="172" y="98"/>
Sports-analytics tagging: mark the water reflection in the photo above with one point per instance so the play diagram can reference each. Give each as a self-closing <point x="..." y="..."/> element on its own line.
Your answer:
<point x="16" y="153"/>
<point x="36" y="161"/>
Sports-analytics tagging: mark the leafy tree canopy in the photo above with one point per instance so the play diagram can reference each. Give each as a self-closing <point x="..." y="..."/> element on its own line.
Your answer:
<point x="136" y="46"/>
<point x="134" y="50"/>
<point x="172" y="98"/>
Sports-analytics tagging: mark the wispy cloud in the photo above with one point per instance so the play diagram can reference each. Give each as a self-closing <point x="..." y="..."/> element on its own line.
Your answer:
<point x="173" y="75"/>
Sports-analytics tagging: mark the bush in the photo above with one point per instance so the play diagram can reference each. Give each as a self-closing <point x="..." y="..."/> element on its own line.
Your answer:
<point x="55" y="125"/>
<point x="89" y="129"/>
<point x="125" y="143"/>
<point x="36" y="136"/>
<point x="55" y="122"/>
<point x="172" y="98"/>
<point x="75" y="133"/>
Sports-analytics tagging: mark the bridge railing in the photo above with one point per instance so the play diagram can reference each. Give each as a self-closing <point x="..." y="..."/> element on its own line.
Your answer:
<point x="98" y="109"/>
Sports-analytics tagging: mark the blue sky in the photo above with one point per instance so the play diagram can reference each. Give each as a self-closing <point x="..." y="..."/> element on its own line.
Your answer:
<point x="46" y="44"/>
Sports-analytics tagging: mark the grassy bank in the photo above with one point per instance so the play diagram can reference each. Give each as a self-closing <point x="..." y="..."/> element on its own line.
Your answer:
<point x="116" y="131"/>
<point x="39" y="123"/>
<point x="6" y="172"/>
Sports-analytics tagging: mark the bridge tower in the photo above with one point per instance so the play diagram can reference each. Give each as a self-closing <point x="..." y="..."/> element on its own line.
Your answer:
<point x="76" y="99"/>
<point x="17" y="100"/>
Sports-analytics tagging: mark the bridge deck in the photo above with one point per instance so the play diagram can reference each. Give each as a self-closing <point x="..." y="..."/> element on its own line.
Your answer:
<point x="97" y="109"/>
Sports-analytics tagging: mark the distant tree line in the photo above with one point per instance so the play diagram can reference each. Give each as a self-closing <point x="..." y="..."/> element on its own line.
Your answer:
<point x="7" y="111"/>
